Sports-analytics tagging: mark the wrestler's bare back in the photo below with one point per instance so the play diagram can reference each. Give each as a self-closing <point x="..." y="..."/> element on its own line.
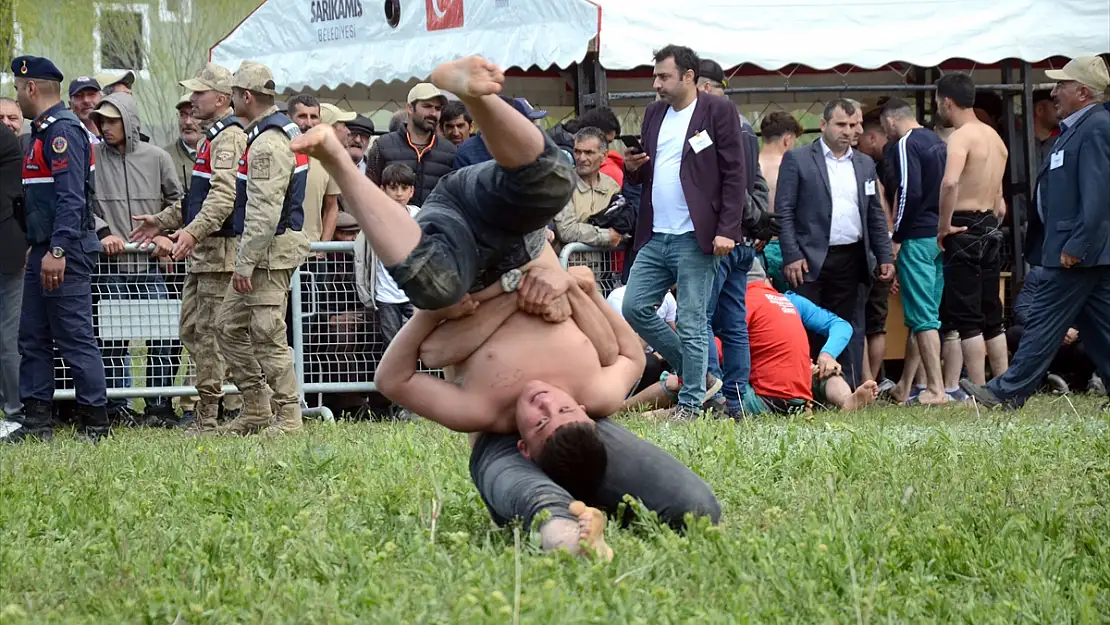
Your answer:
<point x="981" y="180"/>
<point x="525" y="348"/>
<point x="769" y="167"/>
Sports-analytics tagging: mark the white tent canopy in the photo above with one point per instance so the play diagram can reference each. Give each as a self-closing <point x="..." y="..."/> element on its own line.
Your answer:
<point x="866" y="33"/>
<point x="328" y="43"/>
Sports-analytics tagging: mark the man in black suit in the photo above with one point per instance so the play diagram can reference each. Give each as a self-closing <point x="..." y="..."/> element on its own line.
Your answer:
<point x="833" y="228"/>
<point x="13" y="255"/>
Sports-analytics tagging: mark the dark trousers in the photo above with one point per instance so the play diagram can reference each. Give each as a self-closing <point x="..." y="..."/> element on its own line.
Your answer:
<point x="480" y="222"/>
<point x="1070" y="298"/>
<point x="1071" y="363"/>
<point x="513" y="487"/>
<point x="840" y="290"/>
<point x="61" y="317"/>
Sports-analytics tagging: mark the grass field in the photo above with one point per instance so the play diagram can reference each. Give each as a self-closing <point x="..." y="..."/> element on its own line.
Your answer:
<point x="884" y="516"/>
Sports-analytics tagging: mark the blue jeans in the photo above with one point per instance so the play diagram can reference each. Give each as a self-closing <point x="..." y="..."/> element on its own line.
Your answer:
<point x="727" y="317"/>
<point x="163" y="357"/>
<point x="662" y="261"/>
<point x="1069" y="298"/>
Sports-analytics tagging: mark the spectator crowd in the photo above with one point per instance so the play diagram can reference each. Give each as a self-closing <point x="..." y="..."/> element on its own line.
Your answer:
<point x="756" y="269"/>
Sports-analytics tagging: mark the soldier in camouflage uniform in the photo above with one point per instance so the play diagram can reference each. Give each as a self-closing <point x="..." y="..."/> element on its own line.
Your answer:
<point x="205" y="235"/>
<point x="268" y="218"/>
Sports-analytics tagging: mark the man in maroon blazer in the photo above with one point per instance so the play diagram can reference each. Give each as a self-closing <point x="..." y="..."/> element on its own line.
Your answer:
<point x="694" y="175"/>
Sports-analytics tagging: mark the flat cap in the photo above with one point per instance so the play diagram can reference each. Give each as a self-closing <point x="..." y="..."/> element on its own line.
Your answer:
<point x="254" y="77"/>
<point x="346" y="221"/>
<point x="211" y="77"/>
<point x="361" y="124"/>
<point x="36" y="67"/>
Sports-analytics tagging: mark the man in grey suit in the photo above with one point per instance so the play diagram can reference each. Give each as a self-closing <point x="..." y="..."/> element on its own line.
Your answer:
<point x="13" y="254"/>
<point x="1069" y="236"/>
<point x="833" y="228"/>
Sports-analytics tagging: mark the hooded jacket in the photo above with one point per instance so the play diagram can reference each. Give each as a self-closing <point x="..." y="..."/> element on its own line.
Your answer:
<point x="139" y="180"/>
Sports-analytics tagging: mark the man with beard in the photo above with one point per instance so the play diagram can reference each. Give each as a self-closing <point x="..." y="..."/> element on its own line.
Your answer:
<point x="84" y="95"/>
<point x="183" y="151"/>
<point x="417" y="145"/>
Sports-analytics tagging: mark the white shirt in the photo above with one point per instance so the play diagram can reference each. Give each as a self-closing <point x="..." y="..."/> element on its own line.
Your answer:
<point x="386" y="290"/>
<point x="668" y="311"/>
<point x="846" y="226"/>
<point x="671" y="214"/>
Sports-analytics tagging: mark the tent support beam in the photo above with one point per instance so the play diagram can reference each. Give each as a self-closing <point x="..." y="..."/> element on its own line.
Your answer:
<point x="591" y="84"/>
<point x="902" y="88"/>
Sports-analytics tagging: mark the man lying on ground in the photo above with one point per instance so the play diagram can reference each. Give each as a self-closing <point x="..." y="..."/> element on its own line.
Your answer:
<point x="534" y="395"/>
<point x="784" y="380"/>
<point x="481" y="223"/>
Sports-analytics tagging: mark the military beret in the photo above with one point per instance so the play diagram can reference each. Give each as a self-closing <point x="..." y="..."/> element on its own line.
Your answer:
<point x="36" y="67"/>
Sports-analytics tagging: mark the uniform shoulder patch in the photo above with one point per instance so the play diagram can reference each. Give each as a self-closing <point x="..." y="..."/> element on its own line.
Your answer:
<point x="224" y="159"/>
<point x="259" y="167"/>
<point x="59" y="145"/>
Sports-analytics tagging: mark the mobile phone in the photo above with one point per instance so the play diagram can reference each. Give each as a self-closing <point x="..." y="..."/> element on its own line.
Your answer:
<point x="632" y="142"/>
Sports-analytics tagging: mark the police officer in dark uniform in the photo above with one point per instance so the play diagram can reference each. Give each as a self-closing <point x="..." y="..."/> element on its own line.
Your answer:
<point x="57" y="294"/>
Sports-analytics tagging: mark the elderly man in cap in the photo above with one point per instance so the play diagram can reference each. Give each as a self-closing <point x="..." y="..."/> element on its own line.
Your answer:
<point x="84" y="95"/>
<point x="206" y="236"/>
<point x="417" y="145"/>
<point x="1067" y="237"/>
<point x="184" y="149"/>
<point x="358" y="133"/>
<point x="57" y="290"/>
<point x="268" y="218"/>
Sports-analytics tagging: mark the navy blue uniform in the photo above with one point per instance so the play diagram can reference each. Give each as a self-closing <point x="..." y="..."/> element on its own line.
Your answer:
<point x="58" y="185"/>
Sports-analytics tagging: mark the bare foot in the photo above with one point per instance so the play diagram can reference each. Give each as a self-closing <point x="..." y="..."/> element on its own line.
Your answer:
<point x="321" y="144"/>
<point x="591" y="526"/>
<point x="469" y="77"/>
<point x="865" y="395"/>
<point x="929" y="398"/>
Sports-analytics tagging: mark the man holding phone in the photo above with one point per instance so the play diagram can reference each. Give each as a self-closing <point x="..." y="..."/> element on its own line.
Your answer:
<point x="692" y="164"/>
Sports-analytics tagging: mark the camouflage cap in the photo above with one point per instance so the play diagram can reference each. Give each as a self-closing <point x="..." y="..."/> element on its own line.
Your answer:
<point x="211" y="77"/>
<point x="254" y="77"/>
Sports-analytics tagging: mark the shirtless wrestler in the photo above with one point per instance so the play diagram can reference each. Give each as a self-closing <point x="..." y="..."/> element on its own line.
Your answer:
<point x="535" y="396"/>
<point x="971" y="209"/>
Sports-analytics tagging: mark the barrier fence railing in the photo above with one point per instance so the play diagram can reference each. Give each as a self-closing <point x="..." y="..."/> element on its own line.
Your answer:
<point x="335" y="336"/>
<point x="606" y="263"/>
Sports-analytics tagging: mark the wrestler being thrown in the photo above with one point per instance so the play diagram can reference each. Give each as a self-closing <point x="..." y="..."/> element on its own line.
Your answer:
<point x="535" y="358"/>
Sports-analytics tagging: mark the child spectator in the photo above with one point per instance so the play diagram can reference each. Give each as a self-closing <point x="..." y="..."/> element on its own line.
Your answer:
<point x="393" y="306"/>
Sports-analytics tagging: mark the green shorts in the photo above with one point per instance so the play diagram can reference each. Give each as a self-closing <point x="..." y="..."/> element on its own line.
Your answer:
<point x="921" y="279"/>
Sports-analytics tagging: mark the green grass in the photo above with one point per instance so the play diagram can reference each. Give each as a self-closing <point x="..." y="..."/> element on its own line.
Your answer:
<point x="885" y="516"/>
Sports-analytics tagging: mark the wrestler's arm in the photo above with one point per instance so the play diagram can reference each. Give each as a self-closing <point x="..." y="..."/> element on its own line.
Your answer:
<point x="427" y="395"/>
<point x="454" y="340"/>
<point x="589" y="319"/>
<point x="604" y="394"/>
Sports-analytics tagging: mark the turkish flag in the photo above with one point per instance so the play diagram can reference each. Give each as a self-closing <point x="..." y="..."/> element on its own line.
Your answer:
<point x="444" y="14"/>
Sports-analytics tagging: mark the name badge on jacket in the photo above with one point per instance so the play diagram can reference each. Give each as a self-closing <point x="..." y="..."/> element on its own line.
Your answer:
<point x="1056" y="160"/>
<point x="700" y="141"/>
<point x="869" y="187"/>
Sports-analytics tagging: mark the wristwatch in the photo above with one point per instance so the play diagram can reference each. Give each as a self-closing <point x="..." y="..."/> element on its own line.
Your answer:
<point x="58" y="252"/>
<point x="510" y="280"/>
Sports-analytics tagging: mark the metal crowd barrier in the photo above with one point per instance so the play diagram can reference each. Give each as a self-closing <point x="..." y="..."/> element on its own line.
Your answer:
<point x="136" y="317"/>
<point x="336" y="341"/>
<point x="602" y="260"/>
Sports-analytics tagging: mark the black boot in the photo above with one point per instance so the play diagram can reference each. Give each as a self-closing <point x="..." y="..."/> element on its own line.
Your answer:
<point x="159" y="415"/>
<point x="37" y="421"/>
<point x="93" y="424"/>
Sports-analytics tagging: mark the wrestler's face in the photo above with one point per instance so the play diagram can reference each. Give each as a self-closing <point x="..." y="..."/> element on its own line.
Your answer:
<point x="540" y="410"/>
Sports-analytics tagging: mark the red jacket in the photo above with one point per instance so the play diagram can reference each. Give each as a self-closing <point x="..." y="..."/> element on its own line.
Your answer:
<point x="614" y="166"/>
